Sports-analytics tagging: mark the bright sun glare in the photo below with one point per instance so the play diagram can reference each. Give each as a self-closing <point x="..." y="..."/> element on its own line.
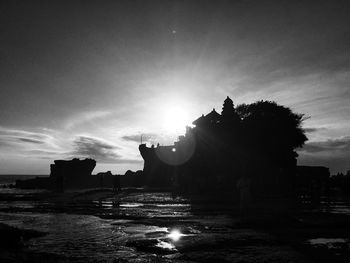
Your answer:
<point x="175" y="235"/>
<point x="175" y="120"/>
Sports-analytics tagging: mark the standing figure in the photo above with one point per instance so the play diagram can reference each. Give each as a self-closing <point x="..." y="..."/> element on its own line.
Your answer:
<point x="245" y="196"/>
<point x="116" y="184"/>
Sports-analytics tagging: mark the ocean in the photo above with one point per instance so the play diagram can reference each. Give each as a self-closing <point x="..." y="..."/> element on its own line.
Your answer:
<point x="6" y="179"/>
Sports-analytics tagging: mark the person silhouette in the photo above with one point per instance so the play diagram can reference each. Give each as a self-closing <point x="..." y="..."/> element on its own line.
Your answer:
<point x="245" y="196"/>
<point x="116" y="184"/>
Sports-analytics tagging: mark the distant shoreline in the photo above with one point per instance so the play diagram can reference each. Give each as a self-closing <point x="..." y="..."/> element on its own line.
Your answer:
<point x="7" y="179"/>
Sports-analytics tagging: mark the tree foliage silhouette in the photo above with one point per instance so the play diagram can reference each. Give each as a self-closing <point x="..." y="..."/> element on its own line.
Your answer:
<point x="271" y="126"/>
<point x="272" y="134"/>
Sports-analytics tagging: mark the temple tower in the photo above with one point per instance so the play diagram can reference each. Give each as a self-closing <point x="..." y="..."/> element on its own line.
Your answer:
<point x="229" y="113"/>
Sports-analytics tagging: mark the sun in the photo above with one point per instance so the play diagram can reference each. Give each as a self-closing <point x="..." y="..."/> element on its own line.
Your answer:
<point x="175" y="120"/>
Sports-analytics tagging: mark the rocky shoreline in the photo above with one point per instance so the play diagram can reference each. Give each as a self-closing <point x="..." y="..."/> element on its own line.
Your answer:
<point x="13" y="246"/>
<point x="210" y="231"/>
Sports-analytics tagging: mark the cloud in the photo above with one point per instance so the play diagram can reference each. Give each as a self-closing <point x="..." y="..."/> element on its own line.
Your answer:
<point x="28" y="149"/>
<point x="22" y="138"/>
<point x="146" y="137"/>
<point x="333" y="153"/>
<point x="331" y="145"/>
<point x="95" y="148"/>
<point x="98" y="149"/>
<point x="47" y="154"/>
<point x="310" y="130"/>
<point x="30" y="140"/>
<point x="40" y="146"/>
<point x="22" y="134"/>
<point x="85" y="117"/>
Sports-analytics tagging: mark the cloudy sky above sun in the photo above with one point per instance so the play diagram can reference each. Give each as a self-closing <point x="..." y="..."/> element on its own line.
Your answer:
<point x="87" y="78"/>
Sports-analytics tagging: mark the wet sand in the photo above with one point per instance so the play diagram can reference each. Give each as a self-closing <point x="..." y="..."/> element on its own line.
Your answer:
<point x="153" y="226"/>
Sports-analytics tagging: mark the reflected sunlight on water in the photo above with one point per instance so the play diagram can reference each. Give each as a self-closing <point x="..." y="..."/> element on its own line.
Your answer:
<point x="326" y="241"/>
<point x="165" y="245"/>
<point x="175" y="235"/>
<point x="156" y="222"/>
<point x="336" y="244"/>
<point x="131" y="205"/>
<point x="73" y="235"/>
<point x="86" y="236"/>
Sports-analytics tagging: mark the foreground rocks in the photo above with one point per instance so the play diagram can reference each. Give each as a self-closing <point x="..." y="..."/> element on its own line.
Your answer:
<point x="142" y="222"/>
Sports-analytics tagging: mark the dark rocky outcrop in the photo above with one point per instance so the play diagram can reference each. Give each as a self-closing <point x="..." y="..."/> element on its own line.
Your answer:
<point x="76" y="173"/>
<point x="73" y="173"/>
<point x="13" y="237"/>
<point x="64" y="174"/>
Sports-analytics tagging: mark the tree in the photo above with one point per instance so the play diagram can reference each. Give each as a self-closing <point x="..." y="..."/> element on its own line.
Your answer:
<point x="272" y="133"/>
<point x="270" y="125"/>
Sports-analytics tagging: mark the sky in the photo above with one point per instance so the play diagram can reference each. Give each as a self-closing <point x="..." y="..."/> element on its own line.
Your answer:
<point x="87" y="78"/>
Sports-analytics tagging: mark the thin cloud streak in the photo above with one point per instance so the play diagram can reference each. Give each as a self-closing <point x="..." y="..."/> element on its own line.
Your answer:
<point x="85" y="117"/>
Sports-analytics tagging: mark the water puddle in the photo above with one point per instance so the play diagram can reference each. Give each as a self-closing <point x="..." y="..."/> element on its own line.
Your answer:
<point x="330" y="243"/>
<point x="72" y="235"/>
<point x="95" y="238"/>
<point x="131" y="205"/>
<point x="16" y="205"/>
<point x="173" y="205"/>
<point x="166" y="245"/>
<point x="144" y="229"/>
<point x="337" y="245"/>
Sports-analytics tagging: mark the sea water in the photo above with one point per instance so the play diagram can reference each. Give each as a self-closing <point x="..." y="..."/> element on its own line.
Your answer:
<point x="87" y="237"/>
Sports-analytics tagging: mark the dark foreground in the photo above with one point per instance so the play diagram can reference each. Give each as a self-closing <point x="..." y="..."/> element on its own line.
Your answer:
<point x="145" y="226"/>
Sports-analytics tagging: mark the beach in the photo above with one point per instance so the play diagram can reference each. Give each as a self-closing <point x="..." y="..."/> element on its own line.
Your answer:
<point x="144" y="225"/>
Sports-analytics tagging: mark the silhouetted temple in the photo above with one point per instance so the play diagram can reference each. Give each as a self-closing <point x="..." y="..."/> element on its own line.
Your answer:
<point x="223" y="150"/>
